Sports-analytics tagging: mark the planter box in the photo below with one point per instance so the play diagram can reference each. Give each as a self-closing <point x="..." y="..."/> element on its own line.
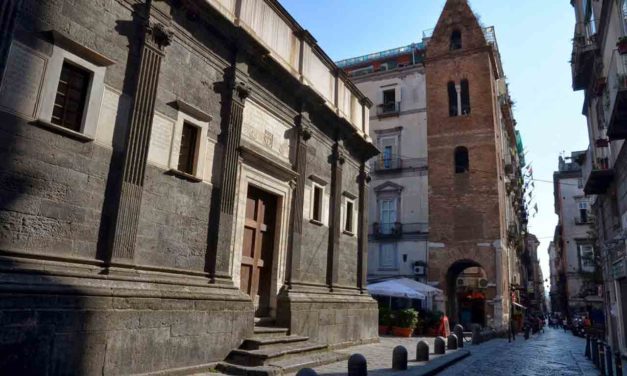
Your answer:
<point x="402" y="332"/>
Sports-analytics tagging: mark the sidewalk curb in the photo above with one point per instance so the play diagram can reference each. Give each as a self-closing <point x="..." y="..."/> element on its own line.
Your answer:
<point x="438" y="365"/>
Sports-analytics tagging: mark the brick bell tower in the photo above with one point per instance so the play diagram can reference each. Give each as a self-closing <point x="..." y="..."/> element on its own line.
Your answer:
<point x="466" y="202"/>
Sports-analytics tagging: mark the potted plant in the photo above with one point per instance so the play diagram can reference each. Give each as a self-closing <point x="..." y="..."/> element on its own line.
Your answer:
<point x="405" y="322"/>
<point x="385" y="321"/>
<point x="622" y="45"/>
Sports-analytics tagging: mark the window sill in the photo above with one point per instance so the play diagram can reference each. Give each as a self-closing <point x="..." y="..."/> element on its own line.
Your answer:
<point x="184" y="175"/>
<point x="62" y="130"/>
<point x="316" y="222"/>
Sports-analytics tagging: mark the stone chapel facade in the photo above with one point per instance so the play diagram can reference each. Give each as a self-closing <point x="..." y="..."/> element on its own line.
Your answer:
<point x="174" y="171"/>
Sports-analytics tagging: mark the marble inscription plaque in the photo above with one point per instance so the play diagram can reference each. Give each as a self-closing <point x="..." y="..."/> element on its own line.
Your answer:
<point x="160" y="141"/>
<point x="22" y="81"/>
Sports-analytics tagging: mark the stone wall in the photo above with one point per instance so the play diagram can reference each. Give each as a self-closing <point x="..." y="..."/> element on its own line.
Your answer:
<point x="337" y="320"/>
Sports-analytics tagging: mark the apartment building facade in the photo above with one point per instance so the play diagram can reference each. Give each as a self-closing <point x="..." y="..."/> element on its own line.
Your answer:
<point x="394" y="80"/>
<point x="599" y="68"/>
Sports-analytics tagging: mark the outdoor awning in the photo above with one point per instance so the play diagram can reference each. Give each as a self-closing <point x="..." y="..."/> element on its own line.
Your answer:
<point x="403" y="288"/>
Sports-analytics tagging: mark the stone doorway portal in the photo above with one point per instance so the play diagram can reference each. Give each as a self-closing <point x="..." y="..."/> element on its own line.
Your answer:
<point x="258" y="248"/>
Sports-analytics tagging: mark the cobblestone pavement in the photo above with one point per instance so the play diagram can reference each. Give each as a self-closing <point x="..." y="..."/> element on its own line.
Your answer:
<point x="553" y="352"/>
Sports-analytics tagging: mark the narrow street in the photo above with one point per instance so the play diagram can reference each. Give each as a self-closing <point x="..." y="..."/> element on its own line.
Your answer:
<point x="553" y="353"/>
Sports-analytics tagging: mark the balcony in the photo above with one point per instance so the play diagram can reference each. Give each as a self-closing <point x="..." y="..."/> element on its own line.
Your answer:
<point x="398" y="230"/>
<point x="584" y="49"/>
<point x="596" y="171"/>
<point x="616" y="104"/>
<point x="389" y="109"/>
<point x="387" y="164"/>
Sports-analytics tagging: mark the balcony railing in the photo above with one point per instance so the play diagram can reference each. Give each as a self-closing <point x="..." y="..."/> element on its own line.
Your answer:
<point x="389" y="109"/>
<point x="584" y="45"/>
<point x="387" y="164"/>
<point x="616" y="100"/>
<point x="398" y="229"/>
<point x="596" y="171"/>
<point x="583" y="221"/>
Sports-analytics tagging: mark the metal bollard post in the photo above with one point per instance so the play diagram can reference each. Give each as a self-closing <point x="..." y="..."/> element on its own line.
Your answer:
<point x="595" y="351"/>
<point x="422" y="351"/>
<point x="602" y="358"/>
<point x="588" y="346"/>
<point x="609" y="370"/>
<point x="451" y="342"/>
<point x="399" y="358"/>
<point x="618" y="364"/>
<point x="357" y="365"/>
<point x="439" y="346"/>
<point x="459" y="332"/>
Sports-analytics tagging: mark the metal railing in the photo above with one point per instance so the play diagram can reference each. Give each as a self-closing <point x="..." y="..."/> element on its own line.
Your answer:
<point x="488" y="33"/>
<point x="390" y="108"/>
<point x="380" y="55"/>
<point x="398" y="229"/>
<point x="616" y="81"/>
<point x="383" y="164"/>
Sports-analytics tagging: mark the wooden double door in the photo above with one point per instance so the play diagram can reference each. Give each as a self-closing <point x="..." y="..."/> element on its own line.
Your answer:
<point x="258" y="248"/>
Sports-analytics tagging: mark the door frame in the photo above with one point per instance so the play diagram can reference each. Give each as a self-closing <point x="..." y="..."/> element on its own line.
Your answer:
<point x="250" y="176"/>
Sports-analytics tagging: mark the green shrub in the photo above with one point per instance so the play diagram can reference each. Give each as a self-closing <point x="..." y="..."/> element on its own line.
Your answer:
<point x="406" y="318"/>
<point x="385" y="316"/>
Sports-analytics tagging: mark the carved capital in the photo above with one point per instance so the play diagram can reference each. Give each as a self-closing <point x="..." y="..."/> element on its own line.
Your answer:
<point x="364" y="177"/>
<point x="339" y="155"/>
<point x="241" y="89"/>
<point x="158" y="34"/>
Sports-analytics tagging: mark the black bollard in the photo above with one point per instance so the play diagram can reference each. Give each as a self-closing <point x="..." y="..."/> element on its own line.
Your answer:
<point x="618" y="364"/>
<point x="357" y="365"/>
<point x="587" y="346"/>
<point x="476" y="334"/>
<point x="439" y="347"/>
<point x="459" y="332"/>
<point x="595" y="351"/>
<point x="422" y="351"/>
<point x="399" y="358"/>
<point x="601" y="346"/>
<point x="451" y="342"/>
<point x="608" y="361"/>
<point x="306" y="372"/>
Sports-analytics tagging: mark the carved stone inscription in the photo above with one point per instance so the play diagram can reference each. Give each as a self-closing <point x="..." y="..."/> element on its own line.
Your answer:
<point x="161" y="140"/>
<point x="265" y="130"/>
<point x="22" y="81"/>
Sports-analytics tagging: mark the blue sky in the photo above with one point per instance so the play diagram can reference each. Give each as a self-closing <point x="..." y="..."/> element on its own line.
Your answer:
<point x="534" y="38"/>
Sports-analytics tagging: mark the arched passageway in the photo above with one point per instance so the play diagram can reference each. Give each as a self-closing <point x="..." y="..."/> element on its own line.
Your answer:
<point x="467" y="285"/>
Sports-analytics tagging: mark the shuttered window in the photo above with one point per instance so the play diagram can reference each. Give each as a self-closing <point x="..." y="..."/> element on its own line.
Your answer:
<point x="69" y="104"/>
<point x="189" y="149"/>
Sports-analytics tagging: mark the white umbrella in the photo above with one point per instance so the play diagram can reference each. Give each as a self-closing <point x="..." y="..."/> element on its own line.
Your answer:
<point x="396" y="289"/>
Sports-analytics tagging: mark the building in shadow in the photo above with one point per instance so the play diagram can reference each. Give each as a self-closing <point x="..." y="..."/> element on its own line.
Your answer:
<point x="173" y="173"/>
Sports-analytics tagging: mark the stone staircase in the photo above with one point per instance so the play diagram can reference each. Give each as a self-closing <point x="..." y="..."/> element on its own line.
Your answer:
<point x="272" y="351"/>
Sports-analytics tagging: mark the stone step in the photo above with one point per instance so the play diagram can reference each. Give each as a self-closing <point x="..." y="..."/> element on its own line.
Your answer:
<point x="285" y="366"/>
<point x="263" y="357"/>
<point x="257" y="343"/>
<point x="289" y="366"/>
<point x="264" y="321"/>
<point x="270" y="331"/>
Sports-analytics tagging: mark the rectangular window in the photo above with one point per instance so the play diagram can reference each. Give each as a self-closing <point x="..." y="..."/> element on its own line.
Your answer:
<point x="348" y="220"/>
<point x="318" y="194"/>
<point x="69" y="103"/>
<point x="387" y="256"/>
<point x="387" y="157"/>
<point x="586" y="258"/>
<point x="387" y="209"/>
<point x="188" y="150"/>
<point x="583" y="212"/>
<point x="389" y="96"/>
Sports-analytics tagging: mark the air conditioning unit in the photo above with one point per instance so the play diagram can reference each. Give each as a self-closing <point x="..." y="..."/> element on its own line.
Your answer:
<point x="419" y="270"/>
<point x="483" y="283"/>
<point x="461" y="282"/>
